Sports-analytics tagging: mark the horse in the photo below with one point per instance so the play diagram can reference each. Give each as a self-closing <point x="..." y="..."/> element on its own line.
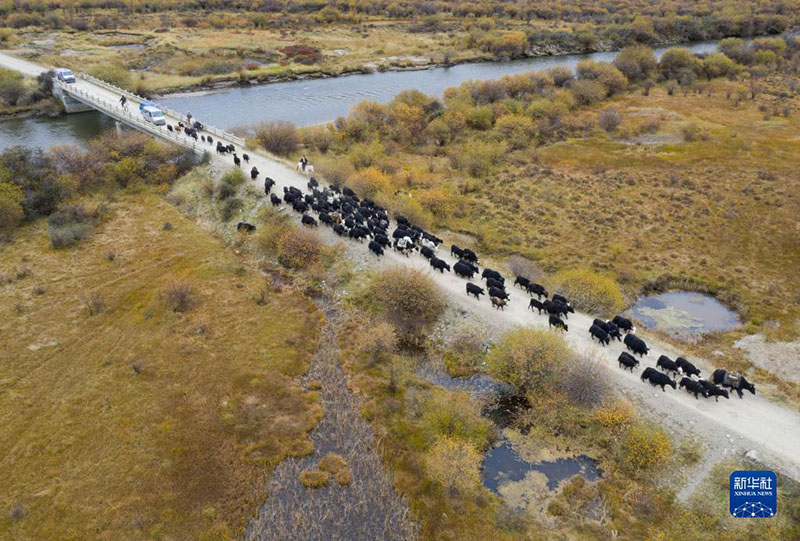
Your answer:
<point x="308" y="169"/>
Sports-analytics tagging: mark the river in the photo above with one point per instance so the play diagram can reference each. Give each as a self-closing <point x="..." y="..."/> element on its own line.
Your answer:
<point x="305" y="102"/>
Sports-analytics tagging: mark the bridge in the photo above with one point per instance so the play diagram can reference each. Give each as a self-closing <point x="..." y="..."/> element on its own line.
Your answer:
<point x="90" y="93"/>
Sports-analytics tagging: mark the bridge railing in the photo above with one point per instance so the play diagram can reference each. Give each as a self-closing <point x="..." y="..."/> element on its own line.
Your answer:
<point x="166" y="110"/>
<point x="122" y="114"/>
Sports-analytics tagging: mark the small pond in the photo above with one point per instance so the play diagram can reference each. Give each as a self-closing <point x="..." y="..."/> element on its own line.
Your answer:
<point x="684" y="314"/>
<point x="502" y="464"/>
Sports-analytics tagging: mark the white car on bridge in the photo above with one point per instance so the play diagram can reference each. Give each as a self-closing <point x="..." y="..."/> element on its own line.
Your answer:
<point x="153" y="114"/>
<point x="63" y="74"/>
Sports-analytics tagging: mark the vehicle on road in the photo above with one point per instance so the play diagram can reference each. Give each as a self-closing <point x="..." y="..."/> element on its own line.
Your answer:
<point x="153" y="114"/>
<point x="65" y="75"/>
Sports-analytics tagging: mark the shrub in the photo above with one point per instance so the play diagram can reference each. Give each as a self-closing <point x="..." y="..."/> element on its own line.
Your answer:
<point x="12" y="87"/>
<point x="677" y="63"/>
<point x="113" y="73"/>
<point x="522" y="266"/>
<point x="692" y="132"/>
<point x="335" y="171"/>
<point x="476" y="157"/>
<point x="615" y="415"/>
<point x="318" y="137"/>
<point x="480" y="118"/>
<point x="408" y="298"/>
<point x="636" y="63"/>
<point x="273" y="225"/>
<point x="5" y="34"/>
<point x="336" y="466"/>
<point x="466" y="348"/>
<point x="368" y="182"/>
<point x="587" y="92"/>
<point x="645" y="447"/>
<point x="11" y="212"/>
<point x="180" y="296"/>
<point x="546" y="109"/>
<point x="377" y="341"/>
<point x="230" y="207"/>
<point x="719" y="65"/>
<point x="302" y="54"/>
<point x="585" y="381"/>
<point x="225" y="190"/>
<point x="455" y="415"/>
<point x="612" y="79"/>
<point x="299" y="248"/>
<point x="235" y="177"/>
<point x="366" y="154"/>
<point x="530" y="359"/>
<point x="71" y="225"/>
<point x="409" y="207"/>
<point x="68" y="235"/>
<point x="277" y="136"/>
<point x="95" y="303"/>
<point x="517" y="130"/>
<point x="439" y="201"/>
<point x="439" y="132"/>
<point x="609" y="119"/>
<point x="454" y="464"/>
<point x="590" y="291"/>
<point x="737" y="50"/>
<point x="314" y="478"/>
<point x="561" y="75"/>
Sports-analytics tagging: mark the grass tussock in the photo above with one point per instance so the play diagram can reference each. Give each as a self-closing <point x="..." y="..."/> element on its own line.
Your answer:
<point x="590" y="291"/>
<point x="337" y="467"/>
<point x="314" y="478"/>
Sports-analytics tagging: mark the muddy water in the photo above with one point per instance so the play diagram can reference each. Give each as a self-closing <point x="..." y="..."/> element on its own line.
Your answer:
<point x="502" y="464"/>
<point x="684" y="314"/>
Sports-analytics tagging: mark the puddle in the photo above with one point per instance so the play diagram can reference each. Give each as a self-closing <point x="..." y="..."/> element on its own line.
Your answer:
<point x="684" y="314"/>
<point x="129" y="46"/>
<point x="503" y="470"/>
<point x="506" y="406"/>
<point x="503" y="465"/>
<point x="477" y="385"/>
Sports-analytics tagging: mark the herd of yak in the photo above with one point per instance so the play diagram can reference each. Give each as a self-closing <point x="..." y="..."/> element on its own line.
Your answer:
<point x="360" y="219"/>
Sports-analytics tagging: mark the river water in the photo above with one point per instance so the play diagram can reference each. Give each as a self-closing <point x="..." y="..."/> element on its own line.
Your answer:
<point x="307" y="102"/>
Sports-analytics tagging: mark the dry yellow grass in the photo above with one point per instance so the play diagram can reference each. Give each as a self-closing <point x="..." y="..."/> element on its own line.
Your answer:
<point x="139" y="421"/>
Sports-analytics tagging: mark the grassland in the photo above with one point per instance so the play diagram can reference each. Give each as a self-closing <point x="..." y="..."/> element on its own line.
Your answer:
<point x="716" y="213"/>
<point x="125" y="419"/>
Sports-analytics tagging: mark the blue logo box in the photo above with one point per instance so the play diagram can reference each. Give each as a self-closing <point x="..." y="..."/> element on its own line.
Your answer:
<point x="753" y="494"/>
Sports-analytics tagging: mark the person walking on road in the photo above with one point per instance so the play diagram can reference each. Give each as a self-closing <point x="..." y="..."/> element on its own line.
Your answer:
<point x="123" y="102"/>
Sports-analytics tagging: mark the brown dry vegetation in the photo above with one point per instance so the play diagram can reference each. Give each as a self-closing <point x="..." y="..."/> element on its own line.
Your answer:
<point x="140" y="421"/>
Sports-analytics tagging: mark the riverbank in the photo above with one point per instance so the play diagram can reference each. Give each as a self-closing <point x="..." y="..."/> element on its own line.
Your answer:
<point x="395" y="66"/>
<point x="49" y="107"/>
